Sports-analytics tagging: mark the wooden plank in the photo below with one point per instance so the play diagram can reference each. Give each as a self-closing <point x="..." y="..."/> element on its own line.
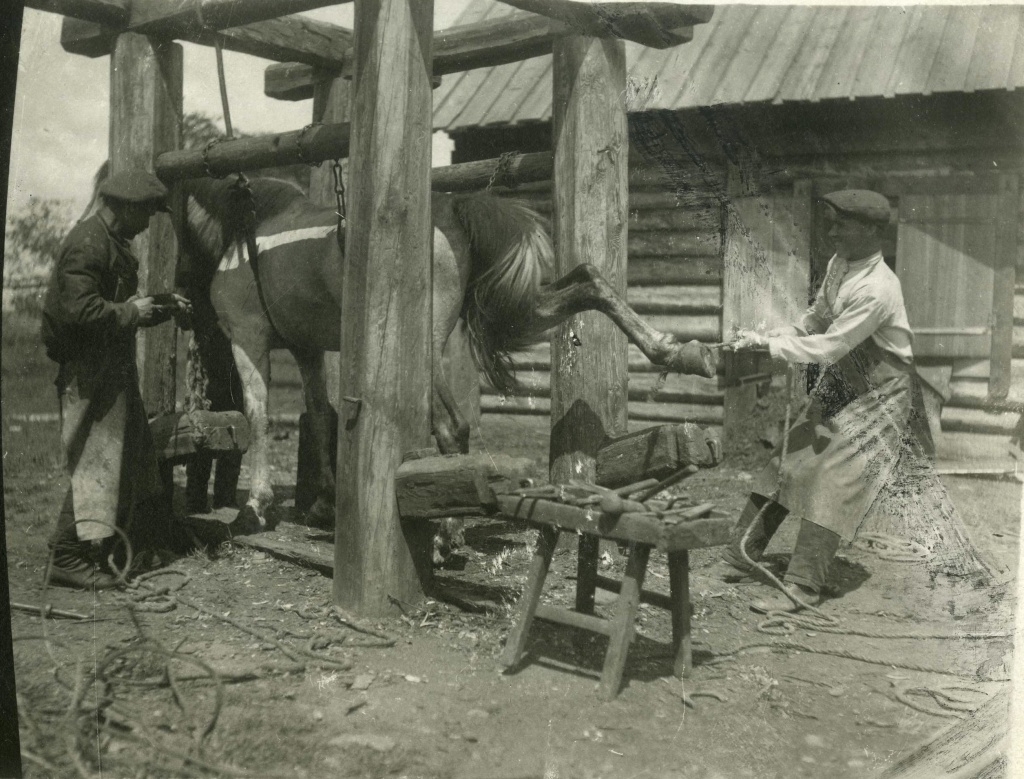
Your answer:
<point x="145" y="103"/>
<point x="675" y="299"/>
<point x="945" y="255"/>
<point x="217" y="432"/>
<point x="706" y="243"/>
<point x="385" y="328"/>
<point x="655" y="271"/>
<point x="646" y="596"/>
<point x="656" y="24"/>
<point x="573" y="619"/>
<point x="285" y="39"/>
<point x="655" y="453"/>
<point x="1004" y="274"/>
<point x="177" y="18"/>
<point x="702" y="414"/>
<point x="475" y="176"/>
<point x="291" y="548"/>
<point x="652" y="389"/>
<point x="457" y="484"/>
<point x="647" y="529"/>
<point x="971" y="420"/>
<point x="483" y="44"/>
<point x="767" y="260"/>
<point x="110" y="12"/>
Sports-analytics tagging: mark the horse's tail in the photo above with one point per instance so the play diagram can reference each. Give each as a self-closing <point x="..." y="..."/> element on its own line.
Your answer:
<point x="510" y="251"/>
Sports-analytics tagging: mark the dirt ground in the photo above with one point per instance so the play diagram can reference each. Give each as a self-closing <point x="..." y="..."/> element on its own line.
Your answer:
<point x="299" y="696"/>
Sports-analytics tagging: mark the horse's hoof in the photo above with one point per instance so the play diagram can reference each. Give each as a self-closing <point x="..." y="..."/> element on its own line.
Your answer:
<point x="693" y="359"/>
<point x="247" y="521"/>
<point x="321" y="515"/>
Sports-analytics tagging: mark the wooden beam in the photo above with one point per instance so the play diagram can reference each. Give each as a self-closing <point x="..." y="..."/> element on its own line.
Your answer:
<point x="456" y="49"/>
<point x="110" y="12"/>
<point x="178" y="18"/>
<point x="328" y="141"/>
<point x="286" y="39"/>
<point x="1002" y="290"/>
<point x="385" y="328"/>
<point x="657" y="24"/>
<point x="145" y="103"/>
<point x="591" y="189"/>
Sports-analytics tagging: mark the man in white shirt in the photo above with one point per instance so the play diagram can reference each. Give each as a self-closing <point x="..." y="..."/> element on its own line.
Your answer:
<point x="845" y="444"/>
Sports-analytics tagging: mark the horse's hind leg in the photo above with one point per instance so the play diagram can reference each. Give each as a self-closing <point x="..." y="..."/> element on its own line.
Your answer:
<point x="585" y="289"/>
<point x="255" y="376"/>
<point x="321" y="417"/>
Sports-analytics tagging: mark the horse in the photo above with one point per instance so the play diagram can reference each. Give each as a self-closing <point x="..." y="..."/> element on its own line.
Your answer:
<point x="490" y="257"/>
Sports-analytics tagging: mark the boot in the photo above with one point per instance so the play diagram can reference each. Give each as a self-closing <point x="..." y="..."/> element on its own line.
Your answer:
<point x="732" y="567"/>
<point x="778" y="601"/>
<point x="78" y="564"/>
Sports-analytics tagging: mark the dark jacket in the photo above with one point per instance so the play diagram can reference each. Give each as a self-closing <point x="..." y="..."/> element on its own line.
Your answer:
<point x="85" y="311"/>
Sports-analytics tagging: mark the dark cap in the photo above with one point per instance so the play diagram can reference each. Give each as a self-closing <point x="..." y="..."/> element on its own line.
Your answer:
<point x="136" y="186"/>
<point x="860" y="204"/>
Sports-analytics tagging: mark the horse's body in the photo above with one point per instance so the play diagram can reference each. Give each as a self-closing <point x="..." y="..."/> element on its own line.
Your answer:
<point x="488" y="259"/>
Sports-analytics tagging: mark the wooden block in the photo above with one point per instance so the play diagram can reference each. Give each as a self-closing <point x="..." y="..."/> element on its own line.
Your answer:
<point x="219" y="432"/>
<point x="458" y="484"/>
<point x="655" y="453"/>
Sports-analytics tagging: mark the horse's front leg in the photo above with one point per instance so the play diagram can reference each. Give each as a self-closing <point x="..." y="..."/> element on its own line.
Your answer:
<point x="255" y="376"/>
<point x="585" y="289"/>
<point x="321" y="417"/>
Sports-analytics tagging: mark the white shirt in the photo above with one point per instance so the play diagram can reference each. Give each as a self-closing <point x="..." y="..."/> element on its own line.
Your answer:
<point x="868" y="304"/>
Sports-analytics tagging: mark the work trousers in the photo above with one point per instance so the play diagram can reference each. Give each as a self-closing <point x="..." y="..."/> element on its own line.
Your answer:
<point x="812" y="555"/>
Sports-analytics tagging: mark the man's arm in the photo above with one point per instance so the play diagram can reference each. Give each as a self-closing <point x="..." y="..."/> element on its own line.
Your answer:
<point x="859" y="320"/>
<point x="82" y="301"/>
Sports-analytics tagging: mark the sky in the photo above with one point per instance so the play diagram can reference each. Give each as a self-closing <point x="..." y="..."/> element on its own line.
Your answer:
<point x="61" y="110"/>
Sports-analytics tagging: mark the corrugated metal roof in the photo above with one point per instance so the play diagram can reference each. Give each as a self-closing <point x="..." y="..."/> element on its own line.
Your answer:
<point x="752" y="54"/>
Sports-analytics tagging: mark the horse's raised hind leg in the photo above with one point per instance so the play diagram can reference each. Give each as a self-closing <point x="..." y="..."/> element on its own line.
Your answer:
<point x="321" y="418"/>
<point x="255" y="376"/>
<point x="585" y="289"/>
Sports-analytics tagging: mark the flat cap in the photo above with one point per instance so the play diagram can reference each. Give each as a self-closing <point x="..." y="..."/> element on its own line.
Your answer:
<point x="136" y="186"/>
<point x="860" y="204"/>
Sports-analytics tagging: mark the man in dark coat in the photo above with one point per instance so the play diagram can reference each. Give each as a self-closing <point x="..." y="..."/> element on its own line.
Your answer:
<point x="90" y="317"/>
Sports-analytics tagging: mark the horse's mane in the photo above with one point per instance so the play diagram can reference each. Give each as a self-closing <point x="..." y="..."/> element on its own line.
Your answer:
<point x="217" y="210"/>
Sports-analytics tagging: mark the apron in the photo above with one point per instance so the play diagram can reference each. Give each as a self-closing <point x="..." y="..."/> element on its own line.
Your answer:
<point x="108" y="449"/>
<point x="845" y="443"/>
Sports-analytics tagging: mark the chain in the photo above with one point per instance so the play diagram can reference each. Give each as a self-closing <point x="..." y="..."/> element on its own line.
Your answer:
<point x="502" y="174"/>
<point x="339" y="195"/>
<point x="300" y="145"/>
<point x="206" y="158"/>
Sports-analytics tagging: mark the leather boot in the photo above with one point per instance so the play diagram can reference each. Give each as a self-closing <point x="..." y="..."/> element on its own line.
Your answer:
<point x="78" y="564"/>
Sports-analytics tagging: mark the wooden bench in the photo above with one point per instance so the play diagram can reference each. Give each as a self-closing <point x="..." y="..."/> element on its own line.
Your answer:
<point x="674" y="532"/>
<point x="178" y="436"/>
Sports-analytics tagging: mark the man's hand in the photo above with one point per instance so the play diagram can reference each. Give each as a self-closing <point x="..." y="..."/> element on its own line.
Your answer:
<point x="156" y="309"/>
<point x="749" y="340"/>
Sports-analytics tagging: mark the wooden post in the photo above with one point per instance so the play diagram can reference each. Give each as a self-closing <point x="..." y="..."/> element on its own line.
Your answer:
<point x="588" y="353"/>
<point x="385" y="326"/>
<point x="145" y="111"/>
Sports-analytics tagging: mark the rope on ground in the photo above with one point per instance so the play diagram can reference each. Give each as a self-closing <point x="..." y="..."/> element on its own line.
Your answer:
<point x="887" y="547"/>
<point x="948" y="702"/>
<point x="720" y="657"/>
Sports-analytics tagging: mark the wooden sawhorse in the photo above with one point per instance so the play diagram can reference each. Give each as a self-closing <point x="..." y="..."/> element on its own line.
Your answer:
<point x="674" y="532"/>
